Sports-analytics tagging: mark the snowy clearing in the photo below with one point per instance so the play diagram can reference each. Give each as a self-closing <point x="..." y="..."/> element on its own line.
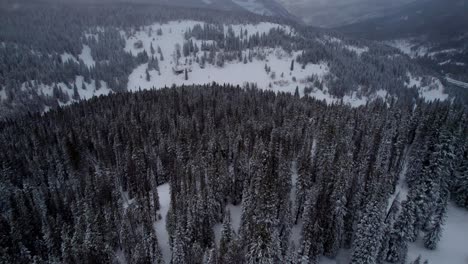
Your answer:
<point x="278" y="77"/>
<point x="430" y="89"/>
<point x="236" y="214"/>
<point x="86" y="56"/>
<point x="86" y="90"/>
<point x="358" y="50"/>
<point x="164" y="193"/>
<point x="452" y="247"/>
<point x="408" y="48"/>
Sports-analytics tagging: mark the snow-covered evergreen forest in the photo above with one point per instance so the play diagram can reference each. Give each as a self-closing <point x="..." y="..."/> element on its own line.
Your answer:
<point x="140" y="133"/>
<point x="223" y="174"/>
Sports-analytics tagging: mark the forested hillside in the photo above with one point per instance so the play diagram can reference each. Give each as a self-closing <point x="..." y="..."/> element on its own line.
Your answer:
<point x="57" y="54"/>
<point x="434" y="33"/>
<point x="90" y="183"/>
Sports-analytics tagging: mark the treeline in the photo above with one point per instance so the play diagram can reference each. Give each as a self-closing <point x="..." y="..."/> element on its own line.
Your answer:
<point x="78" y="185"/>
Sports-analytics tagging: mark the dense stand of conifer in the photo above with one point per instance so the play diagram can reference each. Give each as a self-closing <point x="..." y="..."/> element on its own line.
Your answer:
<point x="80" y="183"/>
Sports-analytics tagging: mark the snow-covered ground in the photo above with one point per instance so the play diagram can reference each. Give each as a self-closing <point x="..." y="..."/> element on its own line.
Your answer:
<point x="164" y="193"/>
<point x="279" y="78"/>
<point x="408" y="47"/>
<point x="3" y="95"/>
<point x="453" y="247"/>
<point x="86" y="56"/>
<point x="456" y="82"/>
<point x="434" y="90"/>
<point x="67" y="56"/>
<point x="358" y="50"/>
<point x="173" y="33"/>
<point x="236" y="213"/>
<point x="296" y="230"/>
<point x="86" y="92"/>
<point x="236" y="73"/>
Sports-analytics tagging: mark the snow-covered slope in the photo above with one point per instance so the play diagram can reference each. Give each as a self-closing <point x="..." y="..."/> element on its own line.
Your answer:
<point x="279" y="76"/>
<point x="268" y="67"/>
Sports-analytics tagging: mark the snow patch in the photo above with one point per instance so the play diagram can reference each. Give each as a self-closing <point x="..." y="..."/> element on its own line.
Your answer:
<point x="330" y="39"/>
<point x="86" y="56"/>
<point x="445" y="51"/>
<point x="355" y="101"/>
<point x="164" y="193"/>
<point x="3" y="95"/>
<point x="433" y="91"/>
<point x="88" y="92"/>
<point x="236" y="214"/>
<point x="408" y="48"/>
<point x="456" y="82"/>
<point x="452" y="245"/>
<point x="252" y="72"/>
<point x="344" y="255"/>
<point x="429" y="88"/>
<point x="67" y="56"/>
<point x="444" y="62"/>
<point x="358" y="50"/>
<point x="173" y="33"/>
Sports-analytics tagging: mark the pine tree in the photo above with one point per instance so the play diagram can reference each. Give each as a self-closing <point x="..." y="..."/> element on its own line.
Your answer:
<point x="76" y="95"/>
<point x="226" y="238"/>
<point x="152" y="49"/>
<point x="368" y="235"/>
<point x="434" y="233"/>
<point x="148" y="76"/>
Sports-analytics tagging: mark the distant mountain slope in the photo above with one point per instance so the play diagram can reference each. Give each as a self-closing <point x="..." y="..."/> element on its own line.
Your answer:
<point x="433" y="18"/>
<point x="339" y="12"/>
<point x="431" y="31"/>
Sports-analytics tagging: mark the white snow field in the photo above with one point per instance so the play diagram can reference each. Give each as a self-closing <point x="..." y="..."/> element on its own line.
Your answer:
<point x="453" y="246"/>
<point x="86" y="56"/>
<point x="431" y="91"/>
<point x="279" y="79"/>
<point x="164" y="193"/>
<point x="407" y="47"/>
